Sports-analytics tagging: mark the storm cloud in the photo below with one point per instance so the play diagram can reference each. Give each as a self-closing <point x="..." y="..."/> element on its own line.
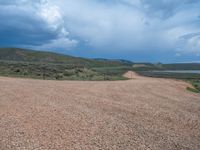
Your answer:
<point x="140" y="30"/>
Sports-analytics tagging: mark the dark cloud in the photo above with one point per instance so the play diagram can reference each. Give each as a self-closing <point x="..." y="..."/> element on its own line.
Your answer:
<point x="165" y="8"/>
<point x="191" y="35"/>
<point x="21" y="27"/>
<point x="28" y="23"/>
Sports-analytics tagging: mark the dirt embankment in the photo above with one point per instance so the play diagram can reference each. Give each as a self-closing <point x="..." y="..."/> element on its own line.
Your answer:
<point x="141" y="114"/>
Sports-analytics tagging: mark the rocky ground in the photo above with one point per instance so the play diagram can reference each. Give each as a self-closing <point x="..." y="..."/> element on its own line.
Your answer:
<point x="141" y="113"/>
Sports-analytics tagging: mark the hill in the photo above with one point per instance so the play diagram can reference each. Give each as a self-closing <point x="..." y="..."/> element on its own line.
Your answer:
<point x="26" y="55"/>
<point x="47" y="65"/>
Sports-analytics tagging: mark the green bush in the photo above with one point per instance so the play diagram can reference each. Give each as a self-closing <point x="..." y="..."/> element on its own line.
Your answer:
<point x="69" y="72"/>
<point x="59" y="76"/>
<point x="17" y="70"/>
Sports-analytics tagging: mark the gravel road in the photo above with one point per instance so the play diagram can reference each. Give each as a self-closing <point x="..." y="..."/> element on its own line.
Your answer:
<point x="138" y="114"/>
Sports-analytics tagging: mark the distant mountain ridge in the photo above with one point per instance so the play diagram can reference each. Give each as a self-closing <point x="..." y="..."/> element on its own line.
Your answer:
<point x="26" y="55"/>
<point x="182" y="66"/>
<point x="118" y="60"/>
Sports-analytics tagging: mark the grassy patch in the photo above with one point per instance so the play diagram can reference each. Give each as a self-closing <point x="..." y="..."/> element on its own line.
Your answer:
<point x="196" y="86"/>
<point x="193" y="90"/>
<point x="52" y="71"/>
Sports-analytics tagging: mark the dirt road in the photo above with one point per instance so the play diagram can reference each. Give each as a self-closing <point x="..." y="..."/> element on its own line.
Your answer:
<point x="142" y="113"/>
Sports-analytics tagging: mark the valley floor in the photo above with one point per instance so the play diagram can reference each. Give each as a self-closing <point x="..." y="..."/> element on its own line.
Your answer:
<point x="141" y="113"/>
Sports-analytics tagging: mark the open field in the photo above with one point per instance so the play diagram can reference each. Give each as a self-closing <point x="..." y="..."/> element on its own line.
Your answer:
<point x="142" y="113"/>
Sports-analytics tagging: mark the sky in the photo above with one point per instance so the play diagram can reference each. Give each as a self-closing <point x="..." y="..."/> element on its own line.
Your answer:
<point x="138" y="30"/>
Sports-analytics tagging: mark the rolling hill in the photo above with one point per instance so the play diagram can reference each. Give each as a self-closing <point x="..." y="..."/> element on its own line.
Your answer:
<point x="48" y="65"/>
<point x="26" y="55"/>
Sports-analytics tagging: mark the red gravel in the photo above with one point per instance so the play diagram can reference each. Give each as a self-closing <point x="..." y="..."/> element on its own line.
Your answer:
<point x="143" y="113"/>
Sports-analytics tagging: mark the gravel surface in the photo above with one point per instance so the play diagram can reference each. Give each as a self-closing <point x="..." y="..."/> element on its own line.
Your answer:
<point x="141" y="114"/>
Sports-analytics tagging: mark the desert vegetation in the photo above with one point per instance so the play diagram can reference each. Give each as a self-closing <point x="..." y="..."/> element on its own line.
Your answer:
<point x="16" y="62"/>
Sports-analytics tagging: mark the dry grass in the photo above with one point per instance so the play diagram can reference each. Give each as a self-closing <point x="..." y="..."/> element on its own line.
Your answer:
<point x="143" y="113"/>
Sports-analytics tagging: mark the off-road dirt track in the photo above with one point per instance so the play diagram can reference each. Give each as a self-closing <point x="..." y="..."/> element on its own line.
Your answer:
<point x="138" y="114"/>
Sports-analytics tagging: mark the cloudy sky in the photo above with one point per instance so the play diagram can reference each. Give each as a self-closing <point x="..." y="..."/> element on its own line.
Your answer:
<point x="138" y="30"/>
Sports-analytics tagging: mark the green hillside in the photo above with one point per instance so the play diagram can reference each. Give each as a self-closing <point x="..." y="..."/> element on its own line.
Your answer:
<point x="47" y="65"/>
<point x="24" y="55"/>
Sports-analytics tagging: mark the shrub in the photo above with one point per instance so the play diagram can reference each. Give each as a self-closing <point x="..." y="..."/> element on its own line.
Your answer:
<point x="68" y="72"/>
<point x="17" y="70"/>
<point x="59" y="76"/>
